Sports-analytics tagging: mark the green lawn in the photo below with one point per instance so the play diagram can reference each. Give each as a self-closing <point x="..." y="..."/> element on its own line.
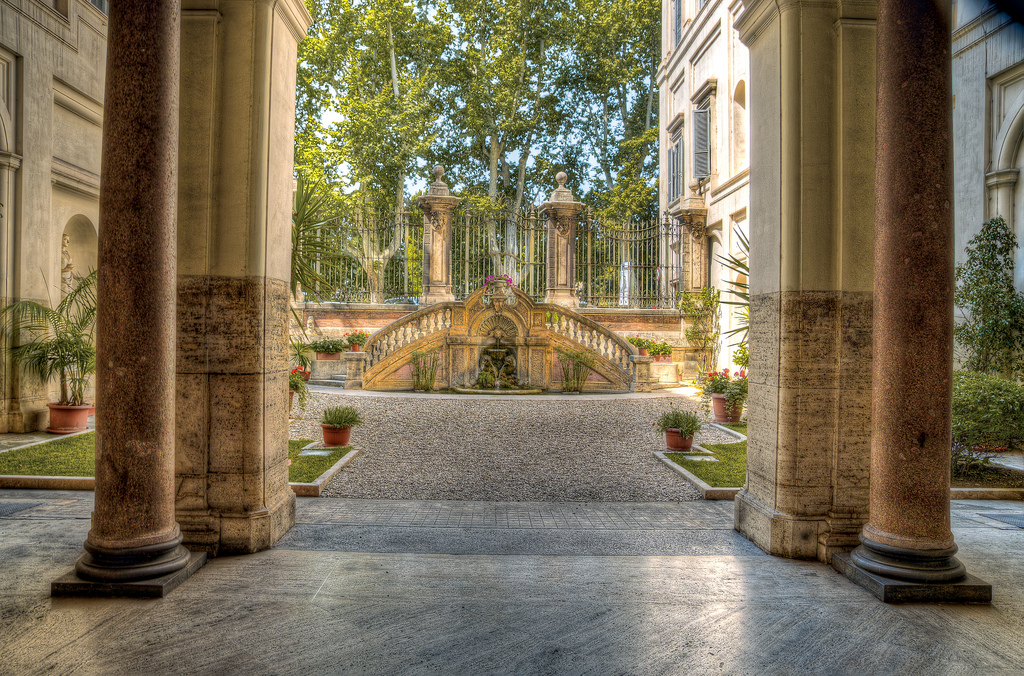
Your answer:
<point x="76" y="456"/>
<point x="729" y="472"/>
<point x="307" y="468"/>
<point x="67" y="456"/>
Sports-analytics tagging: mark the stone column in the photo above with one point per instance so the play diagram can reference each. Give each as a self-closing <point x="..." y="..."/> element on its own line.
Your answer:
<point x="908" y="536"/>
<point x="134" y="534"/>
<point x="437" y="206"/>
<point x="11" y="419"/>
<point x="561" y="212"/>
<point x="234" y="238"/>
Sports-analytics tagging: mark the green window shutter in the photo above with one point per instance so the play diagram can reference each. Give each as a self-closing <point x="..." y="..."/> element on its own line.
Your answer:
<point x="701" y="143"/>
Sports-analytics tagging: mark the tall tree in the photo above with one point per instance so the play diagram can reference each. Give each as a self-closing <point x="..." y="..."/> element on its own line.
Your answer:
<point x="366" y="115"/>
<point x="613" y="88"/>
<point x="502" y="98"/>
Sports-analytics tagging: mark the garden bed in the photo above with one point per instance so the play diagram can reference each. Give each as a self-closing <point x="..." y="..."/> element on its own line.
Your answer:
<point x="75" y="456"/>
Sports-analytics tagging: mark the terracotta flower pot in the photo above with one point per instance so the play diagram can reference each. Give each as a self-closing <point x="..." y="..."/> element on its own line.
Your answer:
<point x="676" y="441"/>
<point x="356" y="348"/>
<point x="719" y="405"/>
<point x="336" y="436"/>
<point x="643" y="351"/>
<point x="663" y="358"/>
<point x="68" y="419"/>
<point x="334" y="356"/>
<point x="306" y="375"/>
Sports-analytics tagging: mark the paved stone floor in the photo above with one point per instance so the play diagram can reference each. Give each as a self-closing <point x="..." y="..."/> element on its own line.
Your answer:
<point x="434" y="587"/>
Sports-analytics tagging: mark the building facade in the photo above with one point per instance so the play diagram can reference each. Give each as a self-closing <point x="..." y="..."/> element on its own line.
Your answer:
<point x="988" y="123"/>
<point x="705" y="169"/>
<point x="52" y="63"/>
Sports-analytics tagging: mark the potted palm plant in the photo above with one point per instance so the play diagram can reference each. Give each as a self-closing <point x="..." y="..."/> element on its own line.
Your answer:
<point x="337" y="423"/>
<point x="679" y="428"/>
<point x="57" y="343"/>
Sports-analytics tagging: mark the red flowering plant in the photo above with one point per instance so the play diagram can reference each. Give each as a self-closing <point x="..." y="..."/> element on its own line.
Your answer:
<point x="297" y="384"/>
<point x="722" y="382"/>
<point x="357" y="337"/>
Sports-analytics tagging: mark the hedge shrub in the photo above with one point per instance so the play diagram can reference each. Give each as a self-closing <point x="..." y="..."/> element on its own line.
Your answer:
<point x="988" y="411"/>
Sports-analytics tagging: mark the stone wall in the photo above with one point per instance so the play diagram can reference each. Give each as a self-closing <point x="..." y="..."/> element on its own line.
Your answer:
<point x="52" y="64"/>
<point x="331" y="320"/>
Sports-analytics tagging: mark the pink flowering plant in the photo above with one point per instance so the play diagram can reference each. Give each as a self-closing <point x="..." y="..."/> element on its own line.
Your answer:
<point x="490" y="279"/>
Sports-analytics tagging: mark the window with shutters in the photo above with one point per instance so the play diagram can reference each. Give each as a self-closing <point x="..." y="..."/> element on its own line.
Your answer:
<point x="702" y="140"/>
<point x="675" y="167"/>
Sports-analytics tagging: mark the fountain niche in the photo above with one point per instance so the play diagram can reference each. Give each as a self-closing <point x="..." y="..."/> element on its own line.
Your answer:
<point x="501" y="335"/>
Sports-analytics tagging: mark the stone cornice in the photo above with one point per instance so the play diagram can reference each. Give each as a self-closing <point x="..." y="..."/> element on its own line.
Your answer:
<point x="757" y="15"/>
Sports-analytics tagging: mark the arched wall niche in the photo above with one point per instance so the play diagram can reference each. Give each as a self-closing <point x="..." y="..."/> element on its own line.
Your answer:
<point x="82" y="245"/>
<point x="739" y="126"/>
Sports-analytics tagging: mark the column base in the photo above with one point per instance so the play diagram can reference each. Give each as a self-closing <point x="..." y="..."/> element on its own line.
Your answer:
<point x="72" y="585"/>
<point x="776" y="533"/>
<point x="913" y="565"/>
<point x="434" y="297"/>
<point x="562" y="297"/>
<point x="968" y="589"/>
<point x="135" y="563"/>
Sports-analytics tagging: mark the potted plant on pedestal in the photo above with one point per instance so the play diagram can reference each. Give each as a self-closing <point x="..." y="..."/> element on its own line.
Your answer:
<point x="58" y="343"/>
<point x="328" y="348"/>
<point x="337" y="423"/>
<point x="639" y="343"/>
<point x="297" y="384"/>
<point x="679" y="428"/>
<point x="661" y="351"/>
<point x="356" y="340"/>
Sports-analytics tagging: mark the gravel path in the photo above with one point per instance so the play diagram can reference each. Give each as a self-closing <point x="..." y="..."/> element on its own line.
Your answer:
<point x="551" y="450"/>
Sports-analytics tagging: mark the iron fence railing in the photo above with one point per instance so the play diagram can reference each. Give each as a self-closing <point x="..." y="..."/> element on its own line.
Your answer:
<point x="499" y="243"/>
<point x="626" y="263"/>
<point x="381" y="257"/>
<point x="619" y="263"/>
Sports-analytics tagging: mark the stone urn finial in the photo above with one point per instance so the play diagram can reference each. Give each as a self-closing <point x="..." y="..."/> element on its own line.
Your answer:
<point x="561" y="193"/>
<point x="438" y="187"/>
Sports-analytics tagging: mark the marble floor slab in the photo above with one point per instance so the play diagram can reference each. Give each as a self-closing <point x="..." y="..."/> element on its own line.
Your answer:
<point x="662" y="588"/>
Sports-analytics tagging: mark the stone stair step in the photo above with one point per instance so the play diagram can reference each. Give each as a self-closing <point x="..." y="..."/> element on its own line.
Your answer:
<point x="327" y="383"/>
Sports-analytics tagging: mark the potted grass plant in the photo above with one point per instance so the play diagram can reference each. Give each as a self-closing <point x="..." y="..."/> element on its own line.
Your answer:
<point x="337" y="423"/>
<point x="57" y="343"/>
<point x="679" y="428"/>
